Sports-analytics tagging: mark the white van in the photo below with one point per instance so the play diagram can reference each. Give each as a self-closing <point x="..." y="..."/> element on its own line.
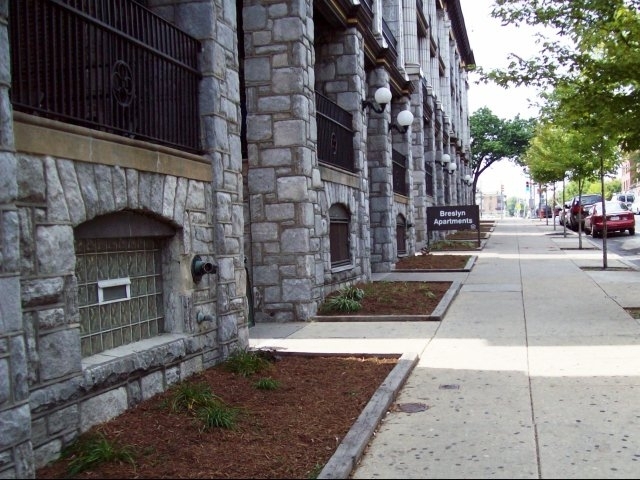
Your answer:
<point x="627" y="198"/>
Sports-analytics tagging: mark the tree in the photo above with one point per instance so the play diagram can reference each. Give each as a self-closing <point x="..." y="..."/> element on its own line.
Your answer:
<point x="557" y="151"/>
<point x="494" y="139"/>
<point x="590" y="46"/>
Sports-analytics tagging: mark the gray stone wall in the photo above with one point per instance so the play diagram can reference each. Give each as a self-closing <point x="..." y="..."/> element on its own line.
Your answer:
<point x="340" y="76"/>
<point x="69" y="393"/>
<point x="417" y="170"/>
<point x="284" y="180"/>
<point x="48" y="392"/>
<point x="16" y="451"/>
<point x="381" y="180"/>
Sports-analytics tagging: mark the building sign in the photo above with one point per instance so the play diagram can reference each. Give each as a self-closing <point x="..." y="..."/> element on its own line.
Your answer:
<point x="458" y="217"/>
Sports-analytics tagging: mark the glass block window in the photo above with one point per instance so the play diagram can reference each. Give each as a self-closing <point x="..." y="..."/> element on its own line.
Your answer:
<point x="119" y="291"/>
<point x="339" y="236"/>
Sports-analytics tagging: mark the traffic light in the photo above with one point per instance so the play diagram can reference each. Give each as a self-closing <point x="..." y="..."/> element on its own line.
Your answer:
<point x="527" y="185"/>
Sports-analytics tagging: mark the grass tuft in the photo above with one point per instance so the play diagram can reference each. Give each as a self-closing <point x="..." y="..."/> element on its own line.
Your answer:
<point x="198" y="400"/>
<point x="218" y="414"/>
<point x="246" y="362"/>
<point x="347" y="300"/>
<point x="189" y="396"/>
<point x="93" y="449"/>
<point x="267" y="383"/>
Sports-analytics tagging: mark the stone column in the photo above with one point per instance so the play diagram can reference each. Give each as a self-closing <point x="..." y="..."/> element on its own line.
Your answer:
<point x="16" y="449"/>
<point x="410" y="24"/>
<point x="380" y="183"/>
<point x="439" y="172"/>
<point x="283" y="178"/>
<point x="220" y="112"/>
<point x="419" y="148"/>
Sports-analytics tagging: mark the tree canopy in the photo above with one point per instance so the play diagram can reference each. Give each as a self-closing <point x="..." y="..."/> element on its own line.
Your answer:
<point x="494" y="139"/>
<point x="589" y="56"/>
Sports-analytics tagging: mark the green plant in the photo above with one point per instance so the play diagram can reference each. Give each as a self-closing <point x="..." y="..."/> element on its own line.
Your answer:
<point x="315" y="471"/>
<point x="217" y="414"/>
<point x="93" y="449"/>
<point x="246" y="362"/>
<point x="189" y="396"/>
<point x="267" y="383"/>
<point x="347" y="300"/>
<point x="198" y="400"/>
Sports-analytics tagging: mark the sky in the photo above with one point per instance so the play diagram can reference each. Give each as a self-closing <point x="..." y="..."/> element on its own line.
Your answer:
<point x="491" y="44"/>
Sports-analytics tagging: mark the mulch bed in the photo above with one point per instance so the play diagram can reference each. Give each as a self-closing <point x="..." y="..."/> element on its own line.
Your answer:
<point x="290" y="432"/>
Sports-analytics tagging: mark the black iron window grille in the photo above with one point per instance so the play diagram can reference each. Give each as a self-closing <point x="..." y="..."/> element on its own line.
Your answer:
<point x="339" y="219"/>
<point x="401" y="235"/>
<point x="399" y="172"/>
<point x="335" y="134"/>
<point x="390" y="38"/>
<point x="446" y="187"/>
<point x="428" y="178"/>
<point x="110" y="65"/>
<point x="426" y="108"/>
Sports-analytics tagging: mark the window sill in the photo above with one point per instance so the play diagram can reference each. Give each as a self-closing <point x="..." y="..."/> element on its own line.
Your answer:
<point x="131" y="349"/>
<point x="343" y="268"/>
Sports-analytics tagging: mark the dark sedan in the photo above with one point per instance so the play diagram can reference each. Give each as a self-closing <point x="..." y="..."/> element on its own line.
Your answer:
<point x="579" y="209"/>
<point x="619" y="219"/>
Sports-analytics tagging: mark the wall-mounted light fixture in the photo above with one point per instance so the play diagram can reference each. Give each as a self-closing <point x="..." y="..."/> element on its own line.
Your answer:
<point x="404" y="120"/>
<point x="199" y="268"/>
<point x="444" y="160"/>
<point x="381" y="98"/>
<point x="452" y="167"/>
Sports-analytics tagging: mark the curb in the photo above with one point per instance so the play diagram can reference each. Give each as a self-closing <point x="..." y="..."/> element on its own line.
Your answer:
<point x="350" y="450"/>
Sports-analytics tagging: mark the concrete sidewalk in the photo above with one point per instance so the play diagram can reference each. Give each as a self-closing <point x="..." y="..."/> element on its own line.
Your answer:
<point x="534" y="372"/>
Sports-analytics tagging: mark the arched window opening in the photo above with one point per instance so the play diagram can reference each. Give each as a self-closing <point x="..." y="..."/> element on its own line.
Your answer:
<point x="119" y="278"/>
<point x="401" y="235"/>
<point x="339" y="219"/>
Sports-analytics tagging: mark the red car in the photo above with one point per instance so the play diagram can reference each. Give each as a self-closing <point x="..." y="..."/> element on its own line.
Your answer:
<point x="619" y="219"/>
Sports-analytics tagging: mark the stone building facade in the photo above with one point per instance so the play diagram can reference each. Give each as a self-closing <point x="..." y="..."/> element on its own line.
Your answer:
<point x="150" y="216"/>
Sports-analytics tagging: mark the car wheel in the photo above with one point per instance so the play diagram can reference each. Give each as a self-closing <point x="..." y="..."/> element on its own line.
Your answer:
<point x="595" y="233"/>
<point x="632" y="231"/>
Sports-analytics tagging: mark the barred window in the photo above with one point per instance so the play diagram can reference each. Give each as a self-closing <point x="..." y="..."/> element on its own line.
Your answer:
<point x="428" y="169"/>
<point x="401" y="235"/>
<point x="339" y="220"/>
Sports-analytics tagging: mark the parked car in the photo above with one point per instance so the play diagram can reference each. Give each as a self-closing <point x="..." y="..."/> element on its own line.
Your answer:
<point x="564" y="213"/>
<point x="627" y="198"/>
<point x="635" y="206"/>
<point x="581" y="206"/>
<point x="619" y="219"/>
<point x="544" y="212"/>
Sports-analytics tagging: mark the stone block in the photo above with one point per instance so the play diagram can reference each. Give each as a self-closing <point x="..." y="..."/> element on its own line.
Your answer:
<point x="152" y="384"/>
<point x="102" y="408"/>
<point x="59" y="354"/>
<point x="10" y="311"/>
